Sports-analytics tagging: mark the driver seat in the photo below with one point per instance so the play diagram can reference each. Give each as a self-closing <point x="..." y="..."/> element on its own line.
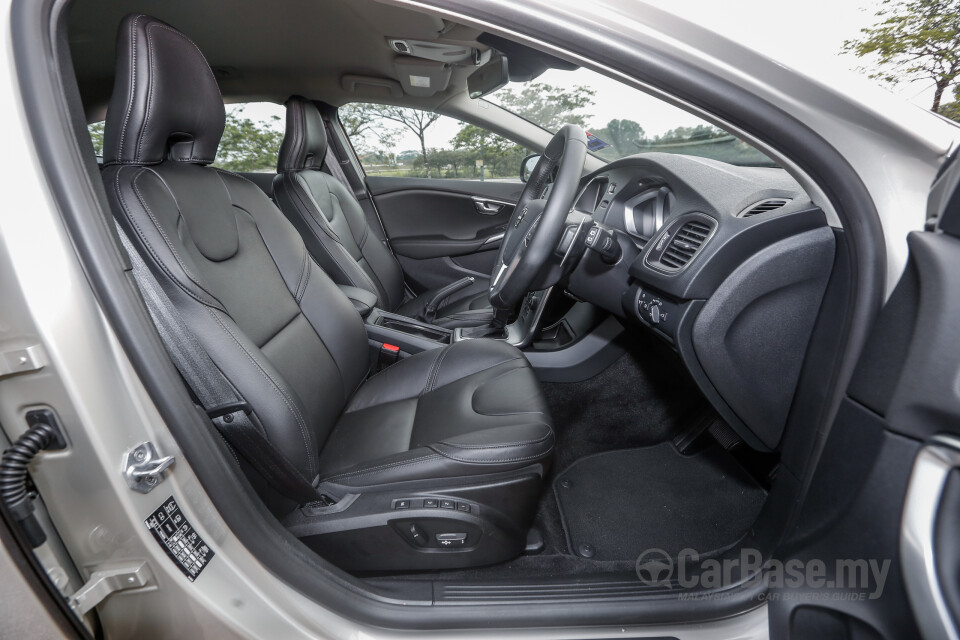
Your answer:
<point x="338" y="236"/>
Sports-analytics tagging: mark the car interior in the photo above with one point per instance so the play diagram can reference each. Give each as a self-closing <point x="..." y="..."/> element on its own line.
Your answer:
<point x="478" y="389"/>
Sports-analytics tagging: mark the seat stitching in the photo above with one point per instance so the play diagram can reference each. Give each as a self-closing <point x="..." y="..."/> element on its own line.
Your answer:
<point x="546" y="436"/>
<point x="349" y="273"/>
<point x="308" y="270"/>
<point x="133" y="83"/>
<point x="149" y="246"/>
<point x="146" y="121"/>
<point x="500" y="461"/>
<point x="291" y="406"/>
<point x="434" y="371"/>
<point x="382" y="467"/>
<point x="473" y="373"/>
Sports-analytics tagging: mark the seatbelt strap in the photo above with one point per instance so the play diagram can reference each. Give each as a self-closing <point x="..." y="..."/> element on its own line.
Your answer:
<point x="224" y="405"/>
<point x="332" y="165"/>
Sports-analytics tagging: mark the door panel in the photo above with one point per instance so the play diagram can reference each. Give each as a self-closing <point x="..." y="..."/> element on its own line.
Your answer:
<point x="442" y="230"/>
<point x="886" y="488"/>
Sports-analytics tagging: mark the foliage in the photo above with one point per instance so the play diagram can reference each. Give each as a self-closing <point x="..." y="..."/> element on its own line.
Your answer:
<point x="365" y="128"/>
<point x="96" y="136"/>
<point x="913" y="40"/>
<point x="952" y="109"/>
<point x="624" y="136"/>
<point x="548" y="106"/>
<point x="247" y="145"/>
<point x="688" y="134"/>
<point x="365" y="119"/>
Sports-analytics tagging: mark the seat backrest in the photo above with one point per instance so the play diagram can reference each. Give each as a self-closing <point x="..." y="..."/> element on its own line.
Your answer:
<point x="238" y="272"/>
<point x="328" y="215"/>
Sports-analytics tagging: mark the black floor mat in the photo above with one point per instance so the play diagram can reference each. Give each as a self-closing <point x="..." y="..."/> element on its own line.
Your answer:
<point x="622" y="503"/>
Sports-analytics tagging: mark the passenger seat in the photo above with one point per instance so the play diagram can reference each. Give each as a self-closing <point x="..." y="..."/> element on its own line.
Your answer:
<point x="435" y="462"/>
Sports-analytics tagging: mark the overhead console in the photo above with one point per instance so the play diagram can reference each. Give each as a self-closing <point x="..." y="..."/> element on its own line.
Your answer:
<point x="727" y="264"/>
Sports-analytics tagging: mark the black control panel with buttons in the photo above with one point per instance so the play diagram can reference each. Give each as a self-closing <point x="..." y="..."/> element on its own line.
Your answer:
<point x="657" y="311"/>
<point x="437" y="524"/>
<point x="432" y="503"/>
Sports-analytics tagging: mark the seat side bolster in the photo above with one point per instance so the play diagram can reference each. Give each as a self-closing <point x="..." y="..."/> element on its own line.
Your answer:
<point x="521" y="443"/>
<point x="301" y="208"/>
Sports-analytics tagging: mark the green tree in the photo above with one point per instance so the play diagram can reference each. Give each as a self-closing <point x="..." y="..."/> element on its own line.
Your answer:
<point x="547" y="105"/>
<point x="451" y="163"/>
<point x="362" y="123"/>
<point x="952" y="109"/>
<point x="96" y="136"/>
<point x="913" y="40"/>
<point x="625" y="136"/>
<point x="247" y="145"/>
<point x="688" y="134"/>
<point x="362" y="118"/>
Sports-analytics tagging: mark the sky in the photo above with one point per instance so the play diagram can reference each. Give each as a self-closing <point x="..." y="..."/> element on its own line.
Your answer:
<point x="807" y="36"/>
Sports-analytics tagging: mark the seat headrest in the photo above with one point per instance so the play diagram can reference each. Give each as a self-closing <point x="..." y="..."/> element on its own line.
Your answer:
<point x="305" y="141"/>
<point x="165" y="103"/>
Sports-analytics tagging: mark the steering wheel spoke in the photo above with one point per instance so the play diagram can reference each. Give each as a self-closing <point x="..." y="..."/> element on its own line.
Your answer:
<point x="535" y="233"/>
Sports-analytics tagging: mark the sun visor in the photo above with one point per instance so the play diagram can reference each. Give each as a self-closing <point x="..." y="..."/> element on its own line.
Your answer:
<point x="421" y="78"/>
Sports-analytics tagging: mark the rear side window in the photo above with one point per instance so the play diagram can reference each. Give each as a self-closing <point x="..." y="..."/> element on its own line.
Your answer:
<point x="251" y="137"/>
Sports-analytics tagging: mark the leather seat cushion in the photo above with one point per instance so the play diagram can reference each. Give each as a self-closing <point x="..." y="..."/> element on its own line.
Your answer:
<point x="468" y="307"/>
<point x="474" y="407"/>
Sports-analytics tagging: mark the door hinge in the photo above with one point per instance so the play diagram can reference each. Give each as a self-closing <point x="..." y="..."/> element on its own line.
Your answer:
<point x="106" y="581"/>
<point x="144" y="468"/>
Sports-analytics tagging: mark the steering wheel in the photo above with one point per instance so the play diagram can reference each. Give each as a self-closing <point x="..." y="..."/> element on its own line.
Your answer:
<point x="537" y="223"/>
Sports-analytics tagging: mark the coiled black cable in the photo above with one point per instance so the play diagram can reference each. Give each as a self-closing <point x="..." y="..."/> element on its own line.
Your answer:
<point x="13" y="478"/>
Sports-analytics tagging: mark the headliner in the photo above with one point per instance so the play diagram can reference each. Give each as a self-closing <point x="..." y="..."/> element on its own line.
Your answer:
<point x="270" y="50"/>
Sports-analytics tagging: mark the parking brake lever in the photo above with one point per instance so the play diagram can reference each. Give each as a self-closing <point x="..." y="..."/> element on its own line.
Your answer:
<point x="430" y="311"/>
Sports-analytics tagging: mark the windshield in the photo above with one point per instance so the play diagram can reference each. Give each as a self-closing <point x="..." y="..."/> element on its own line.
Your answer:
<point x="620" y="120"/>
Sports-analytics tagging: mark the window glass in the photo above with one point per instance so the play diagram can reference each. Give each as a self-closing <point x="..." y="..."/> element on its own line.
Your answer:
<point x="619" y="119"/>
<point x="403" y="142"/>
<point x="251" y="137"/>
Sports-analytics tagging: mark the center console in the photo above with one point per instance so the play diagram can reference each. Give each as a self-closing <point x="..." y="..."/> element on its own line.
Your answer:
<point x="412" y="336"/>
<point x="574" y="344"/>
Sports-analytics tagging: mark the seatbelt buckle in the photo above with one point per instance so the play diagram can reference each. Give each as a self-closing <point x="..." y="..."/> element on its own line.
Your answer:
<point x="389" y="354"/>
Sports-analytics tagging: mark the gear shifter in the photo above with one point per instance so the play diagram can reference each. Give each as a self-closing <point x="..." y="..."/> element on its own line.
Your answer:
<point x="497" y="329"/>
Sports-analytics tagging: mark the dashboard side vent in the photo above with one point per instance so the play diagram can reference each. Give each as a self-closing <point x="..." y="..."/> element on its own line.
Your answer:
<point x="763" y="206"/>
<point x="681" y="242"/>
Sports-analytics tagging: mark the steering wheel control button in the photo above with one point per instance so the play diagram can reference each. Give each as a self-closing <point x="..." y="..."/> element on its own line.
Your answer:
<point x="451" y="539"/>
<point x="401" y="504"/>
<point x="462" y="506"/>
<point x="448" y="504"/>
<point x="430" y="503"/>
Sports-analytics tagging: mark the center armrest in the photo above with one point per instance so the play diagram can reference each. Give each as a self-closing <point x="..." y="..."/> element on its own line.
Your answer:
<point x="362" y="300"/>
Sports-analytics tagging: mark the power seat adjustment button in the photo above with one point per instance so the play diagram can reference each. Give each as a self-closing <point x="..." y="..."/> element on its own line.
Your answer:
<point x="451" y="539"/>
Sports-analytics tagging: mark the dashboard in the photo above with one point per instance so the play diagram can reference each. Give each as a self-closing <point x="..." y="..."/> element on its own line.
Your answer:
<point x="727" y="264"/>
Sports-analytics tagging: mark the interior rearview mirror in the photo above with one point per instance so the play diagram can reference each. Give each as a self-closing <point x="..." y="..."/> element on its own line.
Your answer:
<point x="488" y="78"/>
<point x="527" y="166"/>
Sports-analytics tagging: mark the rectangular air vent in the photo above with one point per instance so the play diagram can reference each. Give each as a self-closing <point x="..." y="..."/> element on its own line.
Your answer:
<point x="680" y="242"/>
<point x="763" y="206"/>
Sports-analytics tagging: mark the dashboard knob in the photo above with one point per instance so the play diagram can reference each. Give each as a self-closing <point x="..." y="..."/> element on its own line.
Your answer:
<point x="655" y="313"/>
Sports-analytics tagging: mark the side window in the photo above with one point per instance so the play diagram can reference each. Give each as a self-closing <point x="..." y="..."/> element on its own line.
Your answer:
<point x="96" y="137"/>
<point x="251" y="137"/>
<point x="410" y="143"/>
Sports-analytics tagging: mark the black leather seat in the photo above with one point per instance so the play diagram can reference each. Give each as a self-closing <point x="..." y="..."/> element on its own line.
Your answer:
<point x="439" y="423"/>
<point x="339" y="237"/>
